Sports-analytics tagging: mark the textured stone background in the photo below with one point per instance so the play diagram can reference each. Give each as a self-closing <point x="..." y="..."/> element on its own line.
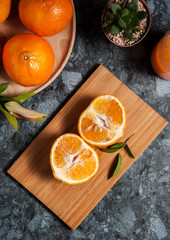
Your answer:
<point x="137" y="206"/>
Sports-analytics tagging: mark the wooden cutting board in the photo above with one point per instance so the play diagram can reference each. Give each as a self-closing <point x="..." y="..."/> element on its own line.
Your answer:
<point x="73" y="203"/>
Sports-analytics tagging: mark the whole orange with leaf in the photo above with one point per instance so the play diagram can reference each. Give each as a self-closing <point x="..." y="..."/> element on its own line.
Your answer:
<point x="46" y="17"/>
<point x="28" y="59"/>
<point x="5" y="7"/>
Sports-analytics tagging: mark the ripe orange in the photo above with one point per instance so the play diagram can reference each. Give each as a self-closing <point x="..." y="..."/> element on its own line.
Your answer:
<point x="72" y="160"/>
<point x="47" y="17"/>
<point x="28" y="59"/>
<point x="103" y="121"/>
<point x="5" y="7"/>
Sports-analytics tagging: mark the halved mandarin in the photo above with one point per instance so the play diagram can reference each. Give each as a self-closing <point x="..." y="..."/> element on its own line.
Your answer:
<point x="72" y="160"/>
<point x="103" y="121"/>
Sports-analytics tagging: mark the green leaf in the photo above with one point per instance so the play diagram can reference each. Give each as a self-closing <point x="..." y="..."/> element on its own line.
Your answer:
<point x="141" y="15"/>
<point x="108" y="13"/>
<point x="118" y="166"/>
<point x="128" y="30"/>
<point x="129" y="137"/>
<point x="116" y="8"/>
<point x="3" y="87"/>
<point x="127" y="20"/>
<point x="117" y="145"/>
<point x="19" y="99"/>
<point x="129" y="35"/>
<point x="112" y="17"/>
<point x="22" y="97"/>
<point x="135" y="29"/>
<point x="115" y="29"/>
<point x="133" y="5"/>
<point x="135" y="22"/>
<point x="131" y="14"/>
<point x="129" y="151"/>
<point x="110" y="21"/>
<point x="10" y="118"/>
<point x="105" y="24"/>
<point x="124" y="4"/>
<point x="109" y="150"/>
<point x="2" y="95"/>
<point x="125" y="12"/>
<point x="121" y="23"/>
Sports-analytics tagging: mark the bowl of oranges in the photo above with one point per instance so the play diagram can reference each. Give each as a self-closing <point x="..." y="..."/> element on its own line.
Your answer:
<point x="36" y="40"/>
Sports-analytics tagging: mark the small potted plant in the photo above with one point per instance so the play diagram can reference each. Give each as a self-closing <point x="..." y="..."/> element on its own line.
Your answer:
<point x="126" y="22"/>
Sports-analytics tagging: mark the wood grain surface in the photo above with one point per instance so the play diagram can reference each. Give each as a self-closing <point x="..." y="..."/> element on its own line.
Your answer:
<point x="61" y="43"/>
<point x="73" y="203"/>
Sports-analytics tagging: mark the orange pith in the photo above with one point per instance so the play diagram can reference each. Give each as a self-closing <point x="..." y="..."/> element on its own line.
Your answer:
<point x="28" y="59"/>
<point x="72" y="160"/>
<point x="46" y="17"/>
<point x="103" y="122"/>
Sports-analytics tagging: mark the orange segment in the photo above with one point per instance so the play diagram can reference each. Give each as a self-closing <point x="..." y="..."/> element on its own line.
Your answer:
<point x="103" y="122"/>
<point x="72" y="160"/>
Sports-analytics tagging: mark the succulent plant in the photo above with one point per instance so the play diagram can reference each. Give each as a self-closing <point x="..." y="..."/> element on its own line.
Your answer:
<point x="125" y="16"/>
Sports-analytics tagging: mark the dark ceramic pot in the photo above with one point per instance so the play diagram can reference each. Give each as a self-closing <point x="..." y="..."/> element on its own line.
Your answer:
<point x="143" y="36"/>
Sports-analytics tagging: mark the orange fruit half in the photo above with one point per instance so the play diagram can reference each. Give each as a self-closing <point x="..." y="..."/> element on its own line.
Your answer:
<point x="72" y="160"/>
<point x="103" y="121"/>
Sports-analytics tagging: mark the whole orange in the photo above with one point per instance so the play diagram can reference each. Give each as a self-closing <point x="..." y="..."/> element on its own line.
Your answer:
<point x="46" y="17"/>
<point x="5" y="7"/>
<point x="28" y="59"/>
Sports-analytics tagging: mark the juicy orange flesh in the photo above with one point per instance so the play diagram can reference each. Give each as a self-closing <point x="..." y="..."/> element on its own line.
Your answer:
<point x="84" y="169"/>
<point x="101" y="124"/>
<point x="82" y="161"/>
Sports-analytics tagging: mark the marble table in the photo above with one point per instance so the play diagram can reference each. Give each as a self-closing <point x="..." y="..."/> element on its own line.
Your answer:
<point x="137" y="206"/>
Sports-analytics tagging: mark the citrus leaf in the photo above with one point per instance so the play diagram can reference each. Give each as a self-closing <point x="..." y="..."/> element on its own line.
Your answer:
<point x="3" y="87"/>
<point x="129" y="151"/>
<point x="19" y="99"/>
<point x="29" y="119"/>
<point x="121" y="23"/>
<point x="125" y="12"/>
<point x="118" y="166"/>
<point x="2" y="95"/>
<point x="141" y="15"/>
<point x="10" y="118"/>
<point x="109" y="150"/>
<point x="117" y="145"/>
<point x="14" y="107"/>
<point x="129" y="137"/>
<point x="115" y="29"/>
